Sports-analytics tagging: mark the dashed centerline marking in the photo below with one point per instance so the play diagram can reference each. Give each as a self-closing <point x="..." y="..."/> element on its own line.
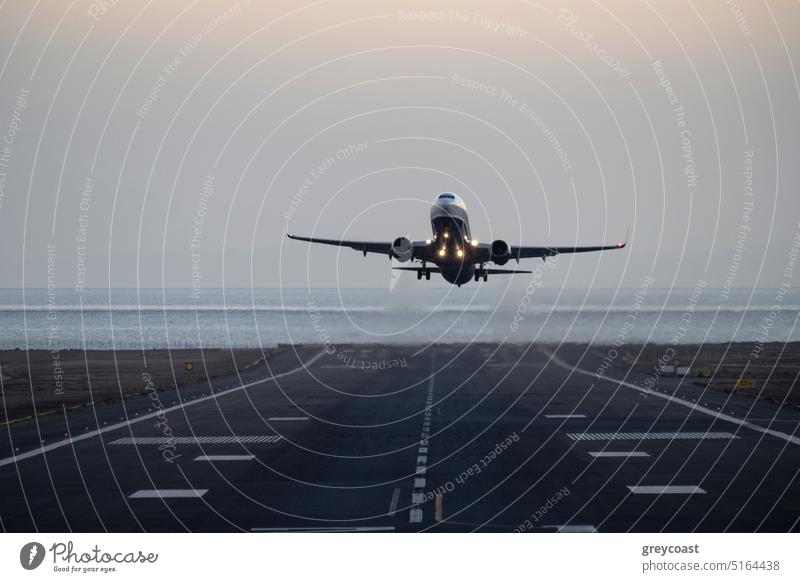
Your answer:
<point x="565" y="416"/>
<point x="287" y="418"/>
<point x="418" y="494"/>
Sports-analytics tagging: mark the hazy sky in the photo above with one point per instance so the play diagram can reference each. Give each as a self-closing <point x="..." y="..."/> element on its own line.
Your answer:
<point x="152" y="142"/>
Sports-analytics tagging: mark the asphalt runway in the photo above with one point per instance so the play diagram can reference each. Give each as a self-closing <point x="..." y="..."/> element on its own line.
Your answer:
<point x="446" y="438"/>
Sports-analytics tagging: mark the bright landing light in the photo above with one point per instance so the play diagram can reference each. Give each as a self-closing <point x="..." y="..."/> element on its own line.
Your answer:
<point x="441" y="253"/>
<point x="460" y="253"/>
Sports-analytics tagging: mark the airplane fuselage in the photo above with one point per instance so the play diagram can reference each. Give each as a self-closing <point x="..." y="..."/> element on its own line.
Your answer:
<point x="452" y="241"/>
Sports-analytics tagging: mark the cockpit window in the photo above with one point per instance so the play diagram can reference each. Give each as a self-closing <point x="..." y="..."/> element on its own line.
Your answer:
<point x="448" y="196"/>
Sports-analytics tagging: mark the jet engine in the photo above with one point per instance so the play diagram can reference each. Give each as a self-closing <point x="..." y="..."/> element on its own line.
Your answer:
<point x="402" y="249"/>
<point x="501" y="252"/>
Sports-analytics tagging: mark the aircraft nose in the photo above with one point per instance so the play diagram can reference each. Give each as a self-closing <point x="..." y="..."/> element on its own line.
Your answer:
<point x="447" y="199"/>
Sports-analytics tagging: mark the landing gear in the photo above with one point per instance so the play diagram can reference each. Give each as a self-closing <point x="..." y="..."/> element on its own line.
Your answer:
<point x="481" y="273"/>
<point x="423" y="272"/>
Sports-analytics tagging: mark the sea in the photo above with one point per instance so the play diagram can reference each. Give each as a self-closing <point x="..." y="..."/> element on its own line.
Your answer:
<point x="245" y="318"/>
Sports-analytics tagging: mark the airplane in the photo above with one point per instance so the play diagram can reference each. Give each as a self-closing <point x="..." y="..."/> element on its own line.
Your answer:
<point x="457" y="256"/>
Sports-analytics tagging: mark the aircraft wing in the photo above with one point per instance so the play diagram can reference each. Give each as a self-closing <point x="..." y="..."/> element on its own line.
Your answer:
<point x="383" y="248"/>
<point x="525" y="252"/>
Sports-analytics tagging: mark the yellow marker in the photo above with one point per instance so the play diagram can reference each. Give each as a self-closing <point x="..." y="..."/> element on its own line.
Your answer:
<point x="703" y="373"/>
<point x="746" y="383"/>
<point x="189" y="366"/>
<point x="438" y="512"/>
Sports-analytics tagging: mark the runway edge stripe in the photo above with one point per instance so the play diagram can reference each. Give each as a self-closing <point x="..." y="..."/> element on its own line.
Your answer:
<point x="691" y="405"/>
<point x="96" y="432"/>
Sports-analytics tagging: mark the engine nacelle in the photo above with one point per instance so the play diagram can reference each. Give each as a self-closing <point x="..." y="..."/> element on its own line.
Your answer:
<point x="402" y="249"/>
<point x="501" y="252"/>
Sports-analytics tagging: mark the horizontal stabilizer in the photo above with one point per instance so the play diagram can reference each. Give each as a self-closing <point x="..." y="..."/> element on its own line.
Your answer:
<point x="429" y="269"/>
<point x="505" y="271"/>
<point x="489" y="271"/>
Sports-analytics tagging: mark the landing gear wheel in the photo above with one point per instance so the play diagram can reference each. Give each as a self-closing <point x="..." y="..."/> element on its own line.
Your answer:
<point x="419" y="274"/>
<point x="485" y="276"/>
<point x="427" y="275"/>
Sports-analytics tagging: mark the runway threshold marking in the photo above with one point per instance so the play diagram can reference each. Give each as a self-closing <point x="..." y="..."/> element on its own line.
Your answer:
<point x="167" y="493"/>
<point x="130" y="421"/>
<point x="665" y="489"/>
<point x="199" y="440"/>
<point x="225" y="458"/>
<point x="649" y="436"/>
<point x="617" y="454"/>
<point x="675" y="400"/>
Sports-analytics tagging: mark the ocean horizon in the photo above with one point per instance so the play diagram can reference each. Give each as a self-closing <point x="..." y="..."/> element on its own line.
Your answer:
<point x="152" y="318"/>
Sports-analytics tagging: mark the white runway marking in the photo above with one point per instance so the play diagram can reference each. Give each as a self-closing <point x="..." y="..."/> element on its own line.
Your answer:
<point x="696" y="407"/>
<point x="130" y="421"/>
<point x="610" y="454"/>
<point x="664" y="489"/>
<point x="326" y="529"/>
<point x="576" y="529"/>
<point x="225" y="458"/>
<point x="648" y="436"/>
<point x="565" y="416"/>
<point x="167" y="493"/>
<point x="393" y="504"/>
<point x="198" y="440"/>
<point x="287" y="418"/>
<point x="417" y="494"/>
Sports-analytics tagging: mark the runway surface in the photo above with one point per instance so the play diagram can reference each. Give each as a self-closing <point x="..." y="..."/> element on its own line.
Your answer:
<point x="448" y="438"/>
